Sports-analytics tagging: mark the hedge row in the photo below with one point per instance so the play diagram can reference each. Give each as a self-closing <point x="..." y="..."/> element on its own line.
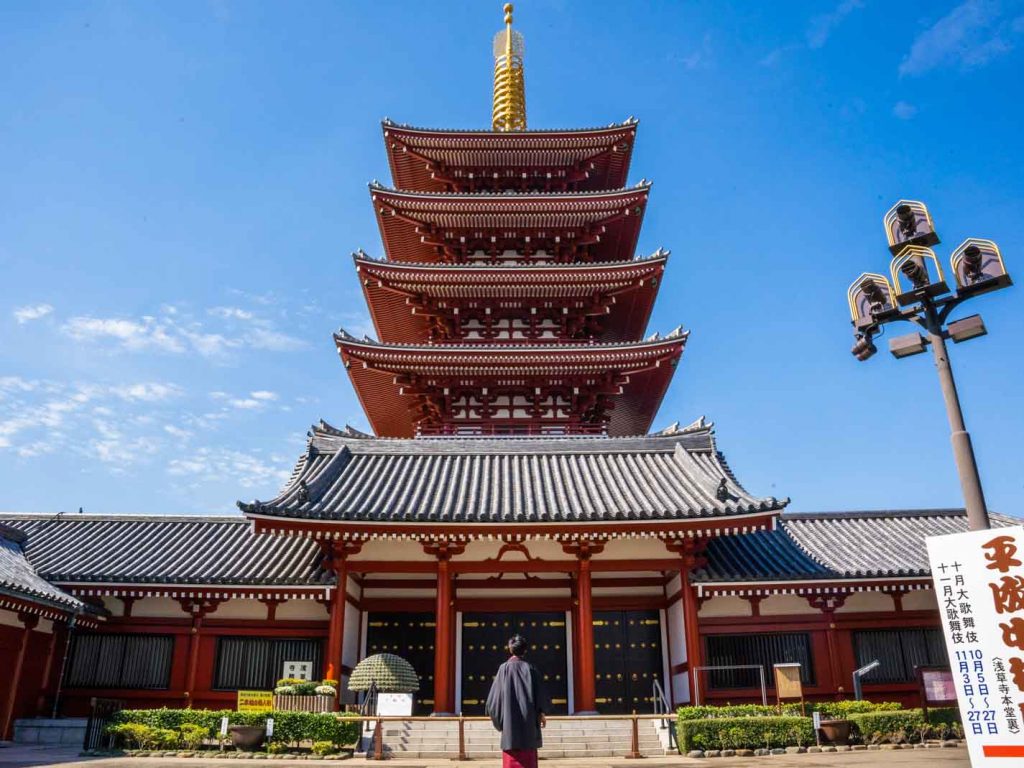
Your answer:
<point x="289" y="727"/>
<point x="770" y="731"/>
<point x="830" y="710"/>
<point x="745" y="733"/>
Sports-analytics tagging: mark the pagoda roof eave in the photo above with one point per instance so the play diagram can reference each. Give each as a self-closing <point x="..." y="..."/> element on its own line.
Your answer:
<point x="387" y="124"/>
<point x="444" y="226"/>
<point x="642" y="186"/>
<point x="403" y="296"/>
<point x="395" y="383"/>
<point x="439" y="160"/>
<point x="510" y="351"/>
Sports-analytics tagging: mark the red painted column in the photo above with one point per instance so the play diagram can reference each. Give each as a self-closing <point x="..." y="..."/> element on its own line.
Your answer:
<point x="443" y="639"/>
<point x="58" y="632"/>
<point x="336" y="625"/>
<point x="691" y="606"/>
<point x="28" y="623"/>
<point x="585" y="695"/>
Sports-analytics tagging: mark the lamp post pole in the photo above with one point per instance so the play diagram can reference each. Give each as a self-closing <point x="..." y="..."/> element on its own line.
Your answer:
<point x="963" y="451"/>
<point x="977" y="267"/>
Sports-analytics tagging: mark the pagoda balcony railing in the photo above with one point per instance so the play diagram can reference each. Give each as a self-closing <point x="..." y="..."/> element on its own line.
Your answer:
<point x="512" y="430"/>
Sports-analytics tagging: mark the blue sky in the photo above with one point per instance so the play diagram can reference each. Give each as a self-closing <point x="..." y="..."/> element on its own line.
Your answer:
<point x="183" y="184"/>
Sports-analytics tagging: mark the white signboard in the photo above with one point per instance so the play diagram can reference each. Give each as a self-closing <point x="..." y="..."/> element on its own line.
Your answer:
<point x="979" y="583"/>
<point x="394" y="704"/>
<point x="298" y="670"/>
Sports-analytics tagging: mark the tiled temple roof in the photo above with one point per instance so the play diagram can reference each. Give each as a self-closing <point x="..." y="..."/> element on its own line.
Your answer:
<point x="147" y="549"/>
<point x="143" y="549"/>
<point x="18" y="577"/>
<point x="835" y="545"/>
<point x="679" y="475"/>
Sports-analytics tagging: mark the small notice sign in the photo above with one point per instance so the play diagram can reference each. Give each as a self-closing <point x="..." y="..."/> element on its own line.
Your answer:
<point x="979" y="582"/>
<point x="255" y="701"/>
<point x="787" y="682"/>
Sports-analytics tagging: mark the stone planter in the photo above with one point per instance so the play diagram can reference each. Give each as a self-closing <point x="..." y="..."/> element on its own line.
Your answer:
<point x="315" y="703"/>
<point x="247" y="737"/>
<point x="836" y="731"/>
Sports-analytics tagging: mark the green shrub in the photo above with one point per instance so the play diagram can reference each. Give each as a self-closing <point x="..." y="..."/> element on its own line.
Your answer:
<point x="907" y="725"/>
<point x="289" y="727"/>
<point x="276" y="748"/>
<point x="133" y="735"/>
<point x="829" y="709"/>
<point x="192" y="735"/>
<point x="744" y="732"/>
<point x="323" y="748"/>
<point x="165" y="738"/>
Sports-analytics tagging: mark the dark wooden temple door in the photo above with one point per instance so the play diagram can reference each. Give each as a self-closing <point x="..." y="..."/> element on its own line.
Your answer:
<point x="627" y="660"/>
<point x="484" y="642"/>
<point x="411" y="636"/>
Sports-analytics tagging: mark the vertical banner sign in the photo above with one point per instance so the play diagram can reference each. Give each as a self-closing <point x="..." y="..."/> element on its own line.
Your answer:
<point x="979" y="582"/>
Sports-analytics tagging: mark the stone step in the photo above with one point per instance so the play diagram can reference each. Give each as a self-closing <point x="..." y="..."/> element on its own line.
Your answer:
<point x="65" y="731"/>
<point x="544" y="754"/>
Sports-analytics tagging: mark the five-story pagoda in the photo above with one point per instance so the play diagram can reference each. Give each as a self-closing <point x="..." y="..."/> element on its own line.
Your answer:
<point x="512" y="483"/>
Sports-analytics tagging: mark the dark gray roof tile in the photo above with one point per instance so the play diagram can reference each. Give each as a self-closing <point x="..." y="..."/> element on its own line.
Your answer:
<point x="669" y="476"/>
<point x="143" y="549"/>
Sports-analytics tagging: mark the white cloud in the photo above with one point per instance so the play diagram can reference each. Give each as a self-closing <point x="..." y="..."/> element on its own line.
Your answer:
<point x="273" y="341"/>
<point x="178" y="432"/>
<point x="264" y="394"/>
<point x="34" y="312"/>
<point x="904" y="110"/>
<point x="217" y="464"/>
<point x="821" y="27"/>
<point x="149" y="392"/>
<point x="700" y="57"/>
<point x="131" y="334"/>
<point x="971" y="35"/>
<point x="231" y="313"/>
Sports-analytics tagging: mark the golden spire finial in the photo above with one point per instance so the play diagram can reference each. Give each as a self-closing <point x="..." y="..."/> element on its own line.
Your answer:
<point x="509" y="84"/>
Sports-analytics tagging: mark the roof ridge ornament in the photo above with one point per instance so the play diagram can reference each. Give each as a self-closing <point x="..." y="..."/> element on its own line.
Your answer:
<point x="509" y="107"/>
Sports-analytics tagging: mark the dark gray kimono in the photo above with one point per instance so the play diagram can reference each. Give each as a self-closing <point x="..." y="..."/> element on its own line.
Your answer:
<point x="515" y="704"/>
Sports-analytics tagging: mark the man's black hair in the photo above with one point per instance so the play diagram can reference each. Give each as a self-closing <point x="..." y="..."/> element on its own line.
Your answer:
<point x="518" y="646"/>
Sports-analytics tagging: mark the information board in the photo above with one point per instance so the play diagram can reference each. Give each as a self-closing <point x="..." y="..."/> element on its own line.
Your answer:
<point x="979" y="582"/>
<point x="787" y="682"/>
<point x="255" y="701"/>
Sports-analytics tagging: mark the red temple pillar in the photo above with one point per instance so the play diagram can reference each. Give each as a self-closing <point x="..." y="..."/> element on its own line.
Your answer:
<point x="828" y="604"/>
<point x="58" y="633"/>
<point x="28" y="622"/>
<point x="336" y="624"/>
<point x="197" y="608"/>
<point x="691" y="556"/>
<point x="443" y="639"/>
<point x="585" y="696"/>
<point x="694" y="655"/>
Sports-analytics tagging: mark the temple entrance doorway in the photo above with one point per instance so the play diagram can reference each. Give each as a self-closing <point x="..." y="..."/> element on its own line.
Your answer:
<point x="411" y="636"/>
<point x="627" y="660"/>
<point x="484" y="639"/>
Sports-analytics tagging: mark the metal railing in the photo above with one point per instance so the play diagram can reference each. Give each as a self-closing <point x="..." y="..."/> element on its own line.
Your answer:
<point x="661" y="706"/>
<point x="377" y="745"/>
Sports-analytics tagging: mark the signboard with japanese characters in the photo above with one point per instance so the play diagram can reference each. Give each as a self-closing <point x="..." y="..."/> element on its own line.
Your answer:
<point x="979" y="582"/>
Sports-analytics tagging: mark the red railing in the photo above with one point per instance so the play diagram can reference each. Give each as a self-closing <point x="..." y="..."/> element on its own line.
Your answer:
<point x="511" y="430"/>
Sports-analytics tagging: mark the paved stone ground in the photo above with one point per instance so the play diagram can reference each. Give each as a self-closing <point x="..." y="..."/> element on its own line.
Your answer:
<point x="24" y="757"/>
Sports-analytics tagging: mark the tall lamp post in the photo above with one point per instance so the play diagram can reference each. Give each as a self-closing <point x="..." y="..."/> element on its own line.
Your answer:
<point x="919" y="294"/>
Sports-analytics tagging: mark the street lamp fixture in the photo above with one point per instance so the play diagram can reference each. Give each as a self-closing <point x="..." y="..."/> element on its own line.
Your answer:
<point x="919" y="294"/>
<point x="907" y="346"/>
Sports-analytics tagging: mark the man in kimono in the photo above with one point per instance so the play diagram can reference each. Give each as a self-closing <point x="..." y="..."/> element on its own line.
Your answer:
<point x="516" y="707"/>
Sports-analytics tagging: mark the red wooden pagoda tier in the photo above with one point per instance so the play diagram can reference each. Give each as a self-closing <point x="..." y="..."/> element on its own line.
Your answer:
<point x="432" y="160"/>
<point x="511" y="389"/>
<point x="415" y="303"/>
<point x="511" y="227"/>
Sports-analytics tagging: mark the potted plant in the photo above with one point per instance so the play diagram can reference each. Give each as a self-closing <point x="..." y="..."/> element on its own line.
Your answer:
<point x="294" y="695"/>
<point x="248" y="738"/>
<point x="836" y="732"/>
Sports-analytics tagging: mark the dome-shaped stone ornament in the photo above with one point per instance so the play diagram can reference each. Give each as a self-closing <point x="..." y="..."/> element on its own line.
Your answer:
<point x="391" y="673"/>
